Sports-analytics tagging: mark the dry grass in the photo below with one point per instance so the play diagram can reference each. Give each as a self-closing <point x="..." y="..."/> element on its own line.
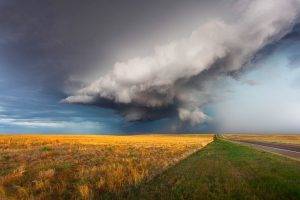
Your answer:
<point x="287" y="139"/>
<point x="86" y="167"/>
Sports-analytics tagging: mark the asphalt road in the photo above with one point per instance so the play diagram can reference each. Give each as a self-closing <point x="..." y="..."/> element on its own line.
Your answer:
<point x="278" y="148"/>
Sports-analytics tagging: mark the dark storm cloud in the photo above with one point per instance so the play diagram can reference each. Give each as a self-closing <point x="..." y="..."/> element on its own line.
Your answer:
<point x="64" y="45"/>
<point x="294" y="35"/>
<point x="53" y="45"/>
<point x="43" y="41"/>
<point x="183" y="72"/>
<point x="47" y="41"/>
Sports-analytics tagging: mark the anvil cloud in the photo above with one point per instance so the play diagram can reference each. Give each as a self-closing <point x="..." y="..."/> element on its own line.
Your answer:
<point x="177" y="77"/>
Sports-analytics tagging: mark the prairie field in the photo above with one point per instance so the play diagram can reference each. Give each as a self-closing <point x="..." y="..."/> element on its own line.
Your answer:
<point x="87" y="167"/>
<point x="269" y="138"/>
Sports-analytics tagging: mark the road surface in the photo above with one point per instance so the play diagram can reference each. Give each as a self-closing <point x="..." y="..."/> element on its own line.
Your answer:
<point x="288" y="150"/>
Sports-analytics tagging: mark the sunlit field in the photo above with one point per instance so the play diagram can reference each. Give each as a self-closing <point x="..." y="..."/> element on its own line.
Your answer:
<point x="85" y="167"/>
<point x="285" y="139"/>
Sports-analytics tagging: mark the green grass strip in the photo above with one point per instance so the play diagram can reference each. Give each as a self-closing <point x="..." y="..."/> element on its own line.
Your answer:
<point x="225" y="170"/>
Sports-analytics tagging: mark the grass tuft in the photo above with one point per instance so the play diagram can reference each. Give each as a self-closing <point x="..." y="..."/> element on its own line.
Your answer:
<point x="45" y="149"/>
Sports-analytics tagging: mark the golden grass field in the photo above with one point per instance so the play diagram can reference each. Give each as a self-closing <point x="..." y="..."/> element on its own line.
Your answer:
<point x="84" y="167"/>
<point x="271" y="138"/>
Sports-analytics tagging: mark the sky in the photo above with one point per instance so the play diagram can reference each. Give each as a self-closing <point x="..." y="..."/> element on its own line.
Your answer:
<point x="149" y="66"/>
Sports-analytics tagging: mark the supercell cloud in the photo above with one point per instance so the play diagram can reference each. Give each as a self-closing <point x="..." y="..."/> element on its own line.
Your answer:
<point x="177" y="78"/>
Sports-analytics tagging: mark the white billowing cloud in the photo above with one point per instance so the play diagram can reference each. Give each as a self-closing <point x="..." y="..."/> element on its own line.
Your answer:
<point x="194" y="116"/>
<point x="176" y="74"/>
